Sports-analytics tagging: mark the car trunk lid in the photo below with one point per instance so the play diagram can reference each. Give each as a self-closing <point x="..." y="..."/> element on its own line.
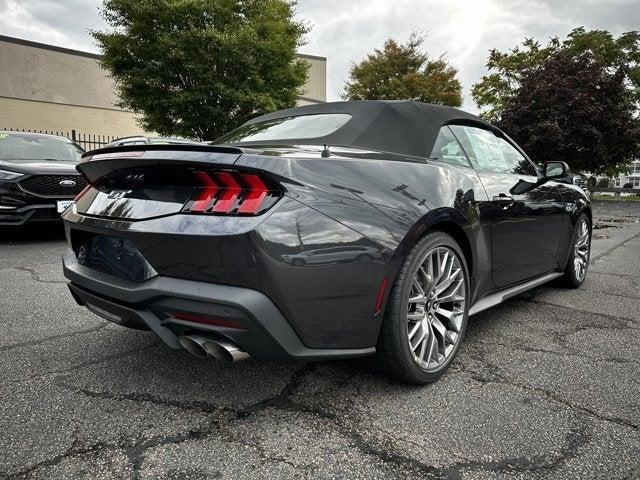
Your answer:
<point x="150" y="181"/>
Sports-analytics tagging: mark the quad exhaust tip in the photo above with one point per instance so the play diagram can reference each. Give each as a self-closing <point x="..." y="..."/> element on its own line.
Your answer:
<point x="226" y="351"/>
<point x="194" y="344"/>
<point x="202" y="346"/>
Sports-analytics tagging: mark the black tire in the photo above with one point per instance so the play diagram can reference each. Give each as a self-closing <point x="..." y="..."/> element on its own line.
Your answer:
<point x="571" y="277"/>
<point x="394" y="356"/>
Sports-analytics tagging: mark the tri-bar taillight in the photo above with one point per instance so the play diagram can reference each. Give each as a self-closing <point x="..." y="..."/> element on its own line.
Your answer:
<point x="227" y="192"/>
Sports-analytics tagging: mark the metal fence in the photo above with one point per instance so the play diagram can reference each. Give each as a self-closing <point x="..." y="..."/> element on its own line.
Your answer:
<point x="87" y="141"/>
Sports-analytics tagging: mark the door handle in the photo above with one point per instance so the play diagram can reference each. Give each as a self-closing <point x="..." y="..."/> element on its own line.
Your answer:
<point x="503" y="198"/>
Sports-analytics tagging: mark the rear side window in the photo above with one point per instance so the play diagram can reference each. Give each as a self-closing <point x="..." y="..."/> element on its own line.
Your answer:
<point x="491" y="153"/>
<point x="287" y="128"/>
<point x="447" y="149"/>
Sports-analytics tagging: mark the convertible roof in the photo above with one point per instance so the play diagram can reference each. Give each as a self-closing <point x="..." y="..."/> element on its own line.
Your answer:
<point x="404" y="127"/>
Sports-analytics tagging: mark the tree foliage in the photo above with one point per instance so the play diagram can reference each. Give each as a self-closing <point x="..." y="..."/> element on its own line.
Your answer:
<point x="507" y="69"/>
<point x="404" y="72"/>
<point x="575" y="109"/>
<point x="199" y="68"/>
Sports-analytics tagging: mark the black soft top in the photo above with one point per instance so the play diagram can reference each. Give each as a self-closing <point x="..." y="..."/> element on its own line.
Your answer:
<point x="404" y="127"/>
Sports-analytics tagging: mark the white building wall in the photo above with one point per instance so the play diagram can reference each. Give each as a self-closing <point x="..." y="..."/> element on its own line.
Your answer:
<point x="632" y="177"/>
<point x="48" y="88"/>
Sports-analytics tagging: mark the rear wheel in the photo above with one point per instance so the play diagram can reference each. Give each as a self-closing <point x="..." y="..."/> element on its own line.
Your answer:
<point x="426" y="315"/>
<point x="578" y="264"/>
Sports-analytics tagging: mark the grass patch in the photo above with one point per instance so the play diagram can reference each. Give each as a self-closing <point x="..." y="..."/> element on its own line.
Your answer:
<point x="612" y="198"/>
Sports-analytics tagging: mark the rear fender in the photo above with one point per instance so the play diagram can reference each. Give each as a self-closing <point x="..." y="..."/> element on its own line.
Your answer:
<point x="466" y="233"/>
<point x="583" y="205"/>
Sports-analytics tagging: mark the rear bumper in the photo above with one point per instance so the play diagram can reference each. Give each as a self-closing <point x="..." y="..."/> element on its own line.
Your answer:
<point x="264" y="333"/>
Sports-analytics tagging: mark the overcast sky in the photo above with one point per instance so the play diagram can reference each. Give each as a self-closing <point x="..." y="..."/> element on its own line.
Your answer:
<point x="344" y="31"/>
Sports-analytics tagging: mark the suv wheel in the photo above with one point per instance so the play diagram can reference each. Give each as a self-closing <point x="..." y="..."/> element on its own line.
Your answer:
<point x="426" y="315"/>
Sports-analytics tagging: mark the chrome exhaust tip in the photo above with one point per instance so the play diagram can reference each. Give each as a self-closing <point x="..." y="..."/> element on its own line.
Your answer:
<point x="225" y="351"/>
<point x="202" y="346"/>
<point x="194" y="344"/>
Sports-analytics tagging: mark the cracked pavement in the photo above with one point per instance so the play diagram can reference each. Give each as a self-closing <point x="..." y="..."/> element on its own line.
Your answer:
<point x="545" y="386"/>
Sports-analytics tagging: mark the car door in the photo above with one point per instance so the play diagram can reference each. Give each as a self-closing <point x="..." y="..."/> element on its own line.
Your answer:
<point x="525" y="228"/>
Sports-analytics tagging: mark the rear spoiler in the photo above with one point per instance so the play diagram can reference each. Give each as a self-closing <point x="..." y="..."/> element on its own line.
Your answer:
<point x="185" y="147"/>
<point x="96" y="164"/>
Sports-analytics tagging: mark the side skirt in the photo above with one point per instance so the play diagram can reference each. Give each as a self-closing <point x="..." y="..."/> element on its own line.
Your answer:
<point x="496" y="298"/>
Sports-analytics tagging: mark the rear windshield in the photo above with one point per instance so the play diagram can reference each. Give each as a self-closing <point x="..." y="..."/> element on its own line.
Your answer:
<point x="287" y="128"/>
<point x="19" y="147"/>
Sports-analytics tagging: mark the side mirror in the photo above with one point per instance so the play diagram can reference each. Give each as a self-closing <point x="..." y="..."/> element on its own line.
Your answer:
<point x="550" y="171"/>
<point x="555" y="169"/>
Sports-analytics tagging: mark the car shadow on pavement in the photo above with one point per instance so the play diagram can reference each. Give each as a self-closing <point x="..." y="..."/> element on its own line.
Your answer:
<point x="28" y="234"/>
<point x="140" y="362"/>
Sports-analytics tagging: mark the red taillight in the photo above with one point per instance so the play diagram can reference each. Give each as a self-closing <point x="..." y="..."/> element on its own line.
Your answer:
<point x="257" y="193"/>
<point x="206" y="195"/>
<point x="82" y="193"/>
<point x="231" y="193"/>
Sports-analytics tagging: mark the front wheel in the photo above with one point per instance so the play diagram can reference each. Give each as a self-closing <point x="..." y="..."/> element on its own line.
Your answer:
<point x="426" y="314"/>
<point x="578" y="264"/>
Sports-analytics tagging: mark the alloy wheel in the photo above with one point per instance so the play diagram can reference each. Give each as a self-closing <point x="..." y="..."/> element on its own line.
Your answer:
<point x="436" y="308"/>
<point x="581" y="251"/>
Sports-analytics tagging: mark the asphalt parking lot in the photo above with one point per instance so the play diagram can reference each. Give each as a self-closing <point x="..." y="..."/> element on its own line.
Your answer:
<point x="546" y="385"/>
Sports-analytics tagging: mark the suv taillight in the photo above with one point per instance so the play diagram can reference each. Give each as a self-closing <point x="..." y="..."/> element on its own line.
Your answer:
<point x="232" y="193"/>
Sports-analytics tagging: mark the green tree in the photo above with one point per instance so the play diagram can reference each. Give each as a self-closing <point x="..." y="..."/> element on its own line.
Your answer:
<point x="577" y="110"/>
<point x="404" y="72"/>
<point x="199" y="68"/>
<point x="507" y="69"/>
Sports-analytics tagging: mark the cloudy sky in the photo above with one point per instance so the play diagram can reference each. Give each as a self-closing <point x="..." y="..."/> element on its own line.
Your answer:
<point x="346" y="30"/>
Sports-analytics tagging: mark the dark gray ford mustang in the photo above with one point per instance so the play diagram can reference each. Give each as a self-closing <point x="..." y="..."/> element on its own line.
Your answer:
<point x="328" y="231"/>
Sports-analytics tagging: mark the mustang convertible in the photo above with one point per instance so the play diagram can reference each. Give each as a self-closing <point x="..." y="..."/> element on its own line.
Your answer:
<point x="321" y="232"/>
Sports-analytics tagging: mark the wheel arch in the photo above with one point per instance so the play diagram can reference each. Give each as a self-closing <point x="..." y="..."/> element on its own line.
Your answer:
<point x="583" y="206"/>
<point x="589" y="213"/>
<point x="565" y="249"/>
<point x="458" y="234"/>
<point x="451" y="222"/>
